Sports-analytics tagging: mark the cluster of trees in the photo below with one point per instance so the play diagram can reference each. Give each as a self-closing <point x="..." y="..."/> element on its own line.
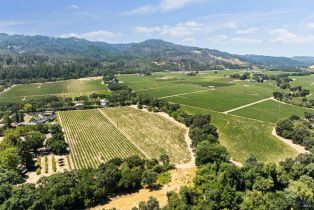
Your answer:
<point x="56" y="144"/>
<point x="20" y="145"/>
<point x="243" y="76"/>
<point x="283" y="81"/>
<point x="222" y="185"/>
<point x="204" y="138"/>
<point x="299" y="130"/>
<point x="121" y="94"/>
<point x="292" y="93"/>
<point x="192" y="73"/>
<point x="287" y="98"/>
<point x="80" y="188"/>
<point x="298" y="91"/>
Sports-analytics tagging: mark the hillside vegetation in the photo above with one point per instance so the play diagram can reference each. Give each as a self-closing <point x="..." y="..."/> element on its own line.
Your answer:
<point x="41" y="58"/>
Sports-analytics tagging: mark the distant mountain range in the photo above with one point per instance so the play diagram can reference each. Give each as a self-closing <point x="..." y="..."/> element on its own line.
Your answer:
<point x="155" y="51"/>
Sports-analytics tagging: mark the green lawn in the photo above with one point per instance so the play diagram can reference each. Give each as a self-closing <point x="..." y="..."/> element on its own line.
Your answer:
<point x="271" y="111"/>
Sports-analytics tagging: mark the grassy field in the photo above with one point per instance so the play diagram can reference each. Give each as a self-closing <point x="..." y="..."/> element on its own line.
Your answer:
<point x="271" y="111"/>
<point x="97" y="136"/>
<point x="242" y="137"/>
<point x="67" y="88"/>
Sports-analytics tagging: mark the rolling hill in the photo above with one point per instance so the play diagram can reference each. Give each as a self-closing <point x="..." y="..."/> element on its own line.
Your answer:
<point x="153" y="50"/>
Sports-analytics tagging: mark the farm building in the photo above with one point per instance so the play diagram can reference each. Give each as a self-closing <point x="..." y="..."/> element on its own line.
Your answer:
<point x="48" y="116"/>
<point x="78" y="104"/>
<point x="103" y="102"/>
<point x="48" y="113"/>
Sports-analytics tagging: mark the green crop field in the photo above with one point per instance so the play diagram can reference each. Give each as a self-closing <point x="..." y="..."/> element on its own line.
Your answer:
<point x="97" y="136"/>
<point x="242" y="132"/>
<point x="271" y="111"/>
<point x="67" y="88"/>
<point x="223" y="93"/>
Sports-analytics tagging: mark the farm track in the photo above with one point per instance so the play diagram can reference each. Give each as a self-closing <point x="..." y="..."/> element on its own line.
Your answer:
<point x="248" y="118"/>
<point x="300" y="149"/>
<point x="182" y="94"/>
<point x="143" y="89"/>
<point x="247" y="105"/>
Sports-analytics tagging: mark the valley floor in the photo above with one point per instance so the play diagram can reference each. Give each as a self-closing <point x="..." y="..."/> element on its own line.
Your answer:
<point x="243" y="111"/>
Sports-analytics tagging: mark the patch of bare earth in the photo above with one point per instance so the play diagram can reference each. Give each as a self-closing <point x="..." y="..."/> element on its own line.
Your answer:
<point x="33" y="177"/>
<point x="89" y="78"/>
<point x="179" y="178"/>
<point x="7" y="89"/>
<point x="289" y="142"/>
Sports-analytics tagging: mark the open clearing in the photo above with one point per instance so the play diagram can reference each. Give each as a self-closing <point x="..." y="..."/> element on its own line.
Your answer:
<point x="246" y="127"/>
<point x="66" y="88"/>
<point x="97" y="136"/>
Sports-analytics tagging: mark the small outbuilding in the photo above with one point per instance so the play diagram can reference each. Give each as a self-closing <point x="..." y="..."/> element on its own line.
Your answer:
<point x="78" y="104"/>
<point x="103" y="102"/>
<point x="48" y="113"/>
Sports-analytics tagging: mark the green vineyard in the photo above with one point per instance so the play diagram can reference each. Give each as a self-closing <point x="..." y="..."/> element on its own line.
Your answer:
<point x="151" y="132"/>
<point x="93" y="139"/>
<point x="96" y="136"/>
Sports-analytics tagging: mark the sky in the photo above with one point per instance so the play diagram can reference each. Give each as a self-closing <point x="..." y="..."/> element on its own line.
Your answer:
<point x="266" y="27"/>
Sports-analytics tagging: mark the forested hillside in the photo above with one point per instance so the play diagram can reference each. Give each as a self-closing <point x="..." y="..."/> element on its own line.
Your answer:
<point x="39" y="58"/>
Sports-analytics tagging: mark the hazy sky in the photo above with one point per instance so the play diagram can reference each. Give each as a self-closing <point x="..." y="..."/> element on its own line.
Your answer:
<point x="269" y="27"/>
